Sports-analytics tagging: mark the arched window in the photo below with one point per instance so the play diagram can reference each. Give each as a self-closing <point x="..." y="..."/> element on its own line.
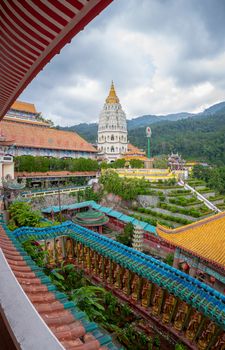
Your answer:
<point x="112" y="137"/>
<point x="112" y="149"/>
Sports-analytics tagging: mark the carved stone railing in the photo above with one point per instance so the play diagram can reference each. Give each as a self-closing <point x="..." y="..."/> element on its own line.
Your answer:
<point x="189" y="308"/>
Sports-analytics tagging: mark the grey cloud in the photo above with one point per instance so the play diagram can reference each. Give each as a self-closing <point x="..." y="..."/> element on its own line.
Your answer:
<point x="106" y="50"/>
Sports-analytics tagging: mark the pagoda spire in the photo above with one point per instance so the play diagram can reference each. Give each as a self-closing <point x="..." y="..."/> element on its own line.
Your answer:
<point x="112" y="98"/>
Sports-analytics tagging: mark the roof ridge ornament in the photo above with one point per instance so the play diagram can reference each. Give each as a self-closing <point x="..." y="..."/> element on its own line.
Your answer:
<point x="112" y="97"/>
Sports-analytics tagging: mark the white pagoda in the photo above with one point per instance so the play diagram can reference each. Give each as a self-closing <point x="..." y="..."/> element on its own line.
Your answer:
<point x="112" y="129"/>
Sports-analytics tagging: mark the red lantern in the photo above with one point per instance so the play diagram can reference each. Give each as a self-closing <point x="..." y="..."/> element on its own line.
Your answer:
<point x="185" y="266"/>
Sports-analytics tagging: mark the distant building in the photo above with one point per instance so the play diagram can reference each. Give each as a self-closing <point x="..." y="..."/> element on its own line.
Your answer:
<point x="31" y="135"/>
<point x="112" y="129"/>
<point x="175" y="162"/>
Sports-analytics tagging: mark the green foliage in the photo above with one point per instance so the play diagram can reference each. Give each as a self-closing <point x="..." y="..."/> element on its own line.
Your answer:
<point x="161" y="162"/>
<point x="44" y="164"/>
<point x="88" y="299"/>
<point x="214" y="177"/>
<point x="126" y="237"/>
<point x="156" y="342"/>
<point x="67" y="278"/>
<point x="21" y="214"/>
<point x="126" y="188"/>
<point x="179" y="346"/>
<point x="169" y="259"/>
<point x="195" y="138"/>
<point x="195" y="213"/>
<point x="184" y="201"/>
<point x="88" y="194"/>
<point x="136" y="163"/>
<point x="163" y="216"/>
<point x="199" y="137"/>
<point x="121" y="163"/>
<point x="36" y="251"/>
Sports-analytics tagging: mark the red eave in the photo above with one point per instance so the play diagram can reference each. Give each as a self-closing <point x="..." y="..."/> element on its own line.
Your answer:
<point x="31" y="34"/>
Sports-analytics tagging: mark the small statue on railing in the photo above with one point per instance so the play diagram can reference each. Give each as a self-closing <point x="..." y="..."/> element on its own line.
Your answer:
<point x="206" y="335"/>
<point x="220" y="344"/>
<point x="58" y="250"/>
<point x="180" y="316"/>
<point x="156" y="302"/>
<point x="193" y="326"/>
<point x="50" y="250"/>
<point x="69" y="248"/>
<point x="168" y="308"/>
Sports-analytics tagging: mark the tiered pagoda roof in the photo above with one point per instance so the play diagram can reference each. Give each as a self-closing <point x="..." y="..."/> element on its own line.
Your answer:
<point x="134" y="152"/>
<point x="91" y="218"/>
<point x="24" y="107"/>
<point x="205" y="238"/>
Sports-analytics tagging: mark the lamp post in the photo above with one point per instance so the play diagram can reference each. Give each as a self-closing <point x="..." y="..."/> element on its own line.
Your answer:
<point x="60" y="209"/>
<point x="148" y="135"/>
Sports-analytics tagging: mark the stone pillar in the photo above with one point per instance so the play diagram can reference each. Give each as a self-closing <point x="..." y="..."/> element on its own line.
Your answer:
<point x="176" y="259"/>
<point x="193" y="269"/>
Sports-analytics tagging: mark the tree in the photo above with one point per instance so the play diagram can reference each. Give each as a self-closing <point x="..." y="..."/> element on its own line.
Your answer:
<point x="127" y="235"/>
<point x="126" y="188"/>
<point x="21" y="214"/>
<point x="43" y="164"/>
<point x="136" y="163"/>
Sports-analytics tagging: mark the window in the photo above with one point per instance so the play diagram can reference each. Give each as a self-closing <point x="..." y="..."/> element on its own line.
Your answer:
<point x="112" y="137"/>
<point x="112" y="149"/>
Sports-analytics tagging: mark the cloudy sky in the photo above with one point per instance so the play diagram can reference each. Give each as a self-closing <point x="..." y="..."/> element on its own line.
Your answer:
<point x="164" y="56"/>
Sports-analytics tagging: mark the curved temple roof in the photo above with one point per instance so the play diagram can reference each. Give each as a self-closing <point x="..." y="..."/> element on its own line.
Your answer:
<point x="34" y="136"/>
<point x="205" y="238"/>
<point x="32" y="33"/>
<point x="197" y="294"/>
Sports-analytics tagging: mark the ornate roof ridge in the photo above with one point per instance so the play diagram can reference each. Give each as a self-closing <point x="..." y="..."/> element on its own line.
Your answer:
<point x="190" y="226"/>
<point x="112" y="97"/>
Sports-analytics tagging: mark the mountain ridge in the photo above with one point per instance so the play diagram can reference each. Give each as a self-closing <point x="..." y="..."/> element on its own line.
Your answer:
<point x="89" y="130"/>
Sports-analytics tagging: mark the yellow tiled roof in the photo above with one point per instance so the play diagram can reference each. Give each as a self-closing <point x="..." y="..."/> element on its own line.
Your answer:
<point x="205" y="238"/>
<point x="24" y="107"/>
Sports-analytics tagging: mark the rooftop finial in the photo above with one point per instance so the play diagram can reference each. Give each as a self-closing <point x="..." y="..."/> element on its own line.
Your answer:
<point x="112" y="98"/>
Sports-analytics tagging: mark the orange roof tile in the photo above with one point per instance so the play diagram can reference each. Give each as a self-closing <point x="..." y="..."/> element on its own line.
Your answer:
<point x="27" y="121"/>
<point x="25" y="135"/>
<point x="134" y="150"/>
<point x="205" y="238"/>
<point x="132" y="156"/>
<point x="24" y="107"/>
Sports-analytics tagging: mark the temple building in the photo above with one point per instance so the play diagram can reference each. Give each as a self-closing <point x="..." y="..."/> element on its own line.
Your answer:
<point x="199" y="249"/>
<point x="134" y="152"/>
<point x="30" y="134"/>
<point x="175" y="162"/>
<point x="112" y="129"/>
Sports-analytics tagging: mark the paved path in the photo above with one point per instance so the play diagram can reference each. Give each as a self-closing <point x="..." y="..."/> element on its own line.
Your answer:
<point x="209" y="204"/>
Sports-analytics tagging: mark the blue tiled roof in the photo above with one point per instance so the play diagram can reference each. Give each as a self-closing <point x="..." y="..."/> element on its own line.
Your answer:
<point x="106" y="210"/>
<point x="57" y="209"/>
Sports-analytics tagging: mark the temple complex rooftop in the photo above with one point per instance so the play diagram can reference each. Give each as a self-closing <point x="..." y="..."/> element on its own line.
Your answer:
<point x="205" y="238"/>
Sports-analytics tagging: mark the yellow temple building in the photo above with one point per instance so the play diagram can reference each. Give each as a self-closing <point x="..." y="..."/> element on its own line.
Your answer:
<point x="200" y="248"/>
